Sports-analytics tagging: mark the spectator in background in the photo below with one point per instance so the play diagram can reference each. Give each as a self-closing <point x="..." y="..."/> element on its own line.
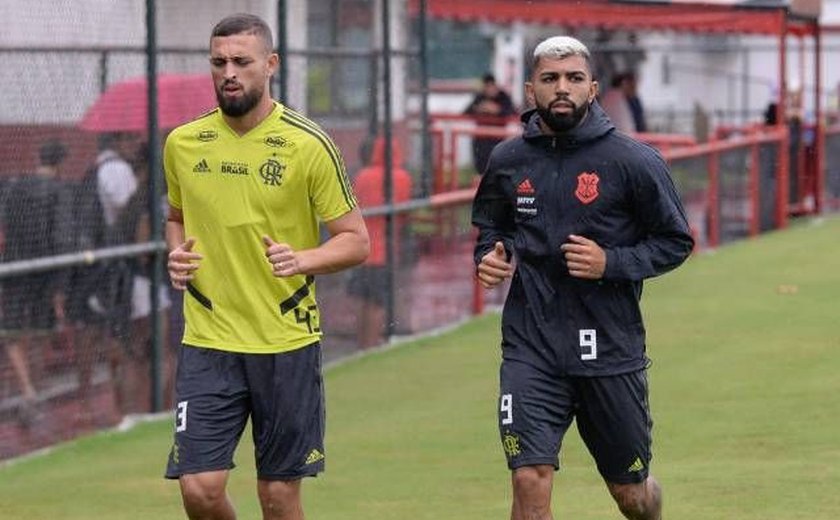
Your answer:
<point x="617" y="106"/>
<point x="623" y="105"/>
<point x="135" y="223"/>
<point x="771" y="113"/>
<point x="32" y="303"/>
<point x="100" y="295"/>
<point x="369" y="281"/>
<point x="116" y="181"/>
<point x="117" y="186"/>
<point x="491" y="106"/>
<point x="630" y="88"/>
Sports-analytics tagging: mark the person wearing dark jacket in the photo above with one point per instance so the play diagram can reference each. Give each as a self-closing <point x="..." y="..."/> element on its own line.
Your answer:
<point x="578" y="215"/>
<point x="491" y="106"/>
<point x="33" y="303"/>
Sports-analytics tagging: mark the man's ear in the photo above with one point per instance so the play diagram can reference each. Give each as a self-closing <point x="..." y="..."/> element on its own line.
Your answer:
<point x="529" y="93"/>
<point x="273" y="63"/>
<point x="594" y="91"/>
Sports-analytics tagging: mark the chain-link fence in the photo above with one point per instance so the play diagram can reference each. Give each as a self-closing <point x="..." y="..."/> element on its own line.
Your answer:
<point x="90" y="328"/>
<point x="81" y="219"/>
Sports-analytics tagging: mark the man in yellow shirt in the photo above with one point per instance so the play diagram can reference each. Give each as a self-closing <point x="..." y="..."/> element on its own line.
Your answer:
<point x="248" y="184"/>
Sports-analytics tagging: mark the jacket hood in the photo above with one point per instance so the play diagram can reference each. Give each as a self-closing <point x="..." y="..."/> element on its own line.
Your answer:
<point x="595" y="125"/>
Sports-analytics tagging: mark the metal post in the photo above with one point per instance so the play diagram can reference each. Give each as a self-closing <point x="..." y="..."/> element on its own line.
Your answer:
<point x="425" y="131"/>
<point x="745" y="86"/>
<point x="781" y="112"/>
<point x="103" y="72"/>
<point x="282" y="48"/>
<point x="373" y="98"/>
<point x="156" y="368"/>
<point x="387" y="132"/>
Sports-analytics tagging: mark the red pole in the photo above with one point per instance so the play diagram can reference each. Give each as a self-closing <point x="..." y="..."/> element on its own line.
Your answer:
<point x="783" y="174"/>
<point x="438" y="161"/>
<point x="478" y="297"/>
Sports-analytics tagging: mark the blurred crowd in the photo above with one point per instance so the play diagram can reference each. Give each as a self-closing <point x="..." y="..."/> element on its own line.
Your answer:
<point x="96" y="315"/>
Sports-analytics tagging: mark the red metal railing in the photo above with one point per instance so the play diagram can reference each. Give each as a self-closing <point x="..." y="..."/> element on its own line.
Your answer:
<point x="452" y="133"/>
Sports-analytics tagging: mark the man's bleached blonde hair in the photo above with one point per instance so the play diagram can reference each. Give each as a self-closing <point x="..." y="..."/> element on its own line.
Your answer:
<point x="558" y="48"/>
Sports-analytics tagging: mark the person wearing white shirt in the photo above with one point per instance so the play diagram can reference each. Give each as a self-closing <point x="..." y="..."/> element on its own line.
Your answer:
<point x="116" y="181"/>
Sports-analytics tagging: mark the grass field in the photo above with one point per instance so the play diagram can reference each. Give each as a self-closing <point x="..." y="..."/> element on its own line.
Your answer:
<point x="744" y="387"/>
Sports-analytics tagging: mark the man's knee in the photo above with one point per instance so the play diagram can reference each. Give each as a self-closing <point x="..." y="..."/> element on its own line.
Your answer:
<point x="532" y="492"/>
<point x="203" y="491"/>
<point x="642" y="501"/>
<point x="533" y="477"/>
<point x="280" y="498"/>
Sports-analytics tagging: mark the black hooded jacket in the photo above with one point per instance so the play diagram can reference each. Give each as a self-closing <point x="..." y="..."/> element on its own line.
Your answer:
<point x="598" y="183"/>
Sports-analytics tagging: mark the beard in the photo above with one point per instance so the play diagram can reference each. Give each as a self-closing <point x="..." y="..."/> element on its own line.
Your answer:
<point x="238" y="107"/>
<point x="562" y="122"/>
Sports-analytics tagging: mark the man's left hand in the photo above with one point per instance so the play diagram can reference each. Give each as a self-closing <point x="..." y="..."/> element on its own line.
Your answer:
<point x="283" y="259"/>
<point x="584" y="258"/>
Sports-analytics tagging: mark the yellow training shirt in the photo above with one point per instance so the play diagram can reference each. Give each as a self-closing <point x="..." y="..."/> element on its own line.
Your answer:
<point x="279" y="180"/>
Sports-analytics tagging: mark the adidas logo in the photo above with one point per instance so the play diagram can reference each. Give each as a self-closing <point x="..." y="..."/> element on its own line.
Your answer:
<point x="201" y="167"/>
<point x="314" y="456"/>
<point x="636" y="466"/>
<point x="525" y="188"/>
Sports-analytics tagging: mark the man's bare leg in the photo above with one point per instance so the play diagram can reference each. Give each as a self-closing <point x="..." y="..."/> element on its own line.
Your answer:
<point x="205" y="496"/>
<point x="532" y="492"/>
<point x="642" y="501"/>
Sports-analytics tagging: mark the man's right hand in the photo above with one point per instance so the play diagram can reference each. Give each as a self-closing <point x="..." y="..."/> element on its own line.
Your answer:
<point x="181" y="264"/>
<point x="494" y="267"/>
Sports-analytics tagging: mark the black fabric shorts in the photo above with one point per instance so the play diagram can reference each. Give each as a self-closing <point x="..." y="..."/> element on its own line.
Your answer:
<point x="101" y="294"/>
<point x="370" y="283"/>
<point x="612" y="413"/>
<point x="27" y="303"/>
<point x="217" y="391"/>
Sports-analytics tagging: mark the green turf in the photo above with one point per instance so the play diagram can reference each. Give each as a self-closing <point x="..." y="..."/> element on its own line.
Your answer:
<point x="744" y="389"/>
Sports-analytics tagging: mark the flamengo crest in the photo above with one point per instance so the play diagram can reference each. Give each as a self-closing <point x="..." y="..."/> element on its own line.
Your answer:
<point x="587" y="188"/>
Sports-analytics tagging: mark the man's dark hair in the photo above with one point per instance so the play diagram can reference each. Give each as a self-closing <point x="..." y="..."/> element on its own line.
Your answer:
<point x="488" y="78"/>
<point x="244" y="23"/>
<point x="52" y="152"/>
<point x="107" y="140"/>
<point x="618" y="79"/>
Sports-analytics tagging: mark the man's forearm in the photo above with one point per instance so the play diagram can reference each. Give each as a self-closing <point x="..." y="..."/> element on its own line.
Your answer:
<point x="339" y="252"/>
<point x="174" y="234"/>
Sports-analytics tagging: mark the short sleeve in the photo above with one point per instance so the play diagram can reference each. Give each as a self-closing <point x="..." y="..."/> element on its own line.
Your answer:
<point x="330" y="190"/>
<point x="173" y="188"/>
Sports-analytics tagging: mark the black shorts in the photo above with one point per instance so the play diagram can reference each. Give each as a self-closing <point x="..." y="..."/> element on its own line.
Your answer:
<point x="101" y="295"/>
<point x="612" y="413"/>
<point x="217" y="391"/>
<point x="27" y="303"/>
<point x="370" y="283"/>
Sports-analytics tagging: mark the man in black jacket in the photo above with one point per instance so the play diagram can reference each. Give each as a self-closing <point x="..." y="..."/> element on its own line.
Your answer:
<point x="586" y="214"/>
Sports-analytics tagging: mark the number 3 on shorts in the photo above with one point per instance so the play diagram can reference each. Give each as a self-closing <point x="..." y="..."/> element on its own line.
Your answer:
<point x="181" y="417"/>
<point x="506" y="408"/>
